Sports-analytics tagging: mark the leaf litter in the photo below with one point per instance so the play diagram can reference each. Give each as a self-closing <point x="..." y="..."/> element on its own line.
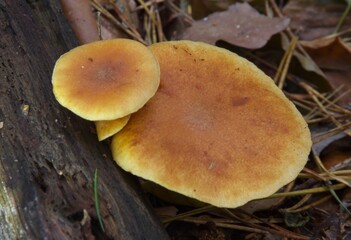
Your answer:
<point x="337" y="64"/>
<point x="240" y="25"/>
<point x="315" y="19"/>
<point x="315" y="204"/>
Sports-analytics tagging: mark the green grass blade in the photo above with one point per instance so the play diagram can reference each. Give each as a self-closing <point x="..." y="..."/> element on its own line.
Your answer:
<point x="343" y="16"/>
<point x="96" y="197"/>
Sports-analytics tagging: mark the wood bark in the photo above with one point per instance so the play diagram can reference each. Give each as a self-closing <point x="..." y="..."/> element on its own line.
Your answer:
<point x="47" y="154"/>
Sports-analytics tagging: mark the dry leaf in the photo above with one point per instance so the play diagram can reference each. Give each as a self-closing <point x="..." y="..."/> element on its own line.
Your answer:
<point x="333" y="56"/>
<point x="306" y="68"/>
<point x="201" y="8"/>
<point x="313" y="19"/>
<point x="337" y="155"/>
<point x="321" y="145"/>
<point x="240" y="25"/>
<point x="85" y="25"/>
<point x="215" y="5"/>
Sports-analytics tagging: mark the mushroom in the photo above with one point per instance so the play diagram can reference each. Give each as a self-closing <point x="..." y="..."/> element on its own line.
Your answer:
<point x="106" y="129"/>
<point x="106" y="80"/>
<point x="217" y="130"/>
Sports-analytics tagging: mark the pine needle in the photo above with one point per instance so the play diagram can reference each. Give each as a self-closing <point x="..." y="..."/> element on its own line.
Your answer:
<point x="308" y="191"/>
<point x="189" y="213"/>
<point x="282" y="72"/>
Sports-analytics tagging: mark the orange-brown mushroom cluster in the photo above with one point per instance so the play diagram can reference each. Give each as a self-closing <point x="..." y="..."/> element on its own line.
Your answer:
<point x="217" y="129"/>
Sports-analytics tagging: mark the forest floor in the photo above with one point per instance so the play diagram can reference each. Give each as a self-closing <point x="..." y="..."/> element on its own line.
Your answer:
<point x="305" y="46"/>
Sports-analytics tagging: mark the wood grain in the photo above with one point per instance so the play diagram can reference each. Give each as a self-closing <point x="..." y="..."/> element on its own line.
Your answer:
<point x="48" y="155"/>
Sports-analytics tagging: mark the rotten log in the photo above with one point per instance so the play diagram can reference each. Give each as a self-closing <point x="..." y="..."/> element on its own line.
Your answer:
<point x="47" y="154"/>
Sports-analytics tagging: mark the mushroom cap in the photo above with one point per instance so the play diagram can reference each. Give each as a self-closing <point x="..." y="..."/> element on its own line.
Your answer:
<point x="106" y="129"/>
<point x="217" y="130"/>
<point x="107" y="79"/>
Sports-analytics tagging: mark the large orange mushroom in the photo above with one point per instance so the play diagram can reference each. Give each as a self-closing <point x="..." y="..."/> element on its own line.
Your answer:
<point x="217" y="130"/>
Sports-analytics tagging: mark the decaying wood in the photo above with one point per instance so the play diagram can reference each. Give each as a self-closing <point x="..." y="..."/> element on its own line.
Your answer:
<point x="48" y="155"/>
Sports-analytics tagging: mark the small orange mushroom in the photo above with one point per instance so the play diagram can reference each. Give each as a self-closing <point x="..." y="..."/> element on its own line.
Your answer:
<point x="106" y="80"/>
<point x="106" y="129"/>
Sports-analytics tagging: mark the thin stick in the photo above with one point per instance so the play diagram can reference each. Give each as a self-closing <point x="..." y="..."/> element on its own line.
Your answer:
<point x="316" y="93"/>
<point x="147" y="29"/>
<point x="273" y="227"/>
<point x="298" y="204"/>
<point x="338" y="34"/>
<point x="308" y="191"/>
<point x="343" y="16"/>
<point x="115" y="21"/>
<point x="226" y="225"/>
<point x="189" y="213"/>
<point x="161" y="35"/>
<point x="324" y="135"/>
<point x="316" y="203"/>
<point x="285" y="63"/>
<point x="314" y="174"/>
<point x="322" y="119"/>
<point x="99" y="24"/>
<point x="313" y="94"/>
<point x="316" y="109"/>
<point x="140" y="7"/>
<point x="292" y="46"/>
<point x="322" y="167"/>
<point x="176" y="9"/>
<point x="233" y="221"/>
<point x="291" y="34"/>
<point x="286" y="189"/>
<point x="300" y="104"/>
<point x="267" y="64"/>
<point x="153" y="26"/>
<point x="147" y="10"/>
<point x="125" y="20"/>
<point x="340" y="172"/>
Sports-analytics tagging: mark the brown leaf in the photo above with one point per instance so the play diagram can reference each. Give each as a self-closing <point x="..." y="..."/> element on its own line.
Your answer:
<point x="201" y="8"/>
<point x="322" y="145"/>
<point x="214" y="5"/>
<point x="333" y="56"/>
<point x="313" y="19"/>
<point x="306" y="68"/>
<point x="337" y="155"/>
<point x="240" y="25"/>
